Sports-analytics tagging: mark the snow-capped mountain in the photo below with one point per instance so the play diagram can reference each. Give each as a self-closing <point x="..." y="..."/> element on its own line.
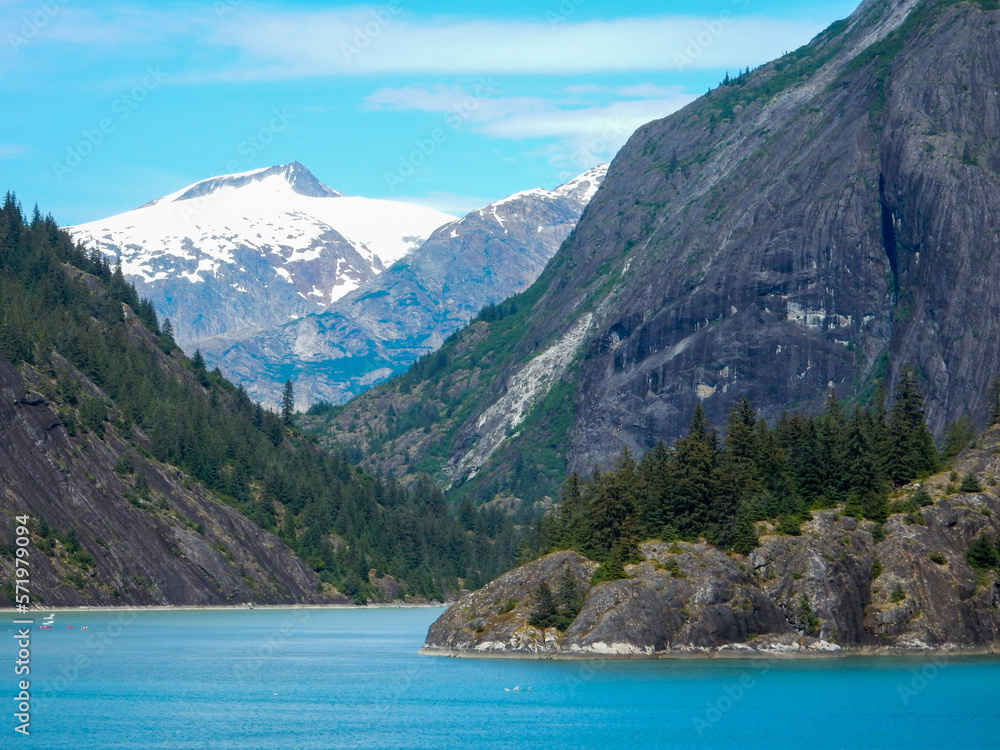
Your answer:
<point x="381" y="327"/>
<point x="259" y="248"/>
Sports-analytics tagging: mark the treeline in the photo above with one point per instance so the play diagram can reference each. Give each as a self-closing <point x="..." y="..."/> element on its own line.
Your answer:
<point x="718" y="487"/>
<point x="346" y="524"/>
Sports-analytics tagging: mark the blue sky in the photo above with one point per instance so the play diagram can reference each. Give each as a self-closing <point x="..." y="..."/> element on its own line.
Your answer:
<point x="109" y="105"/>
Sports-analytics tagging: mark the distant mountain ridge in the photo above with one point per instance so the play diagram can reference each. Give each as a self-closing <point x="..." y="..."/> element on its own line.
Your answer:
<point x="255" y="249"/>
<point x="381" y="327"/>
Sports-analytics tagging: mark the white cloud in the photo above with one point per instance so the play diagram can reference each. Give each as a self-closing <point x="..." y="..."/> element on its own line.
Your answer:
<point x="240" y="41"/>
<point x="11" y="150"/>
<point x="439" y="98"/>
<point x="274" y="45"/>
<point x="584" y="135"/>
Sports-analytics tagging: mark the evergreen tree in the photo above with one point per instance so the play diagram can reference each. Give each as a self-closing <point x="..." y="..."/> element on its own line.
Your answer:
<point x="983" y="554"/>
<point x="831" y="429"/>
<point x="911" y="451"/>
<point x="657" y="480"/>
<point x="957" y="438"/>
<point x="288" y="403"/>
<point x="738" y="477"/>
<point x="745" y="538"/>
<point x="612" y="509"/>
<point x="695" y="461"/>
<point x="568" y="595"/>
<point x="545" y="613"/>
<point x="796" y="435"/>
<point x="993" y="401"/>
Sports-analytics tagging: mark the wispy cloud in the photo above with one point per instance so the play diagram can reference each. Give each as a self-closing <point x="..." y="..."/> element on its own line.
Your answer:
<point x="336" y="43"/>
<point x="584" y="134"/>
<point x="12" y="150"/>
<point x="255" y="42"/>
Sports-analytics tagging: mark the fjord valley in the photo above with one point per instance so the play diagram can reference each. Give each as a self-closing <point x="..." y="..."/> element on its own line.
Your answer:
<point x="736" y="403"/>
<point x="811" y="236"/>
<point x="151" y="480"/>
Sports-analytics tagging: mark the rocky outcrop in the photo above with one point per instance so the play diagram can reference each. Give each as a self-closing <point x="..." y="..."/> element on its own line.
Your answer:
<point x="140" y="533"/>
<point x="843" y="586"/>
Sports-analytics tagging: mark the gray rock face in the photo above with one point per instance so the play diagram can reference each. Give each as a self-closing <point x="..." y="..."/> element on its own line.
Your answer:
<point x="814" y="238"/>
<point x="379" y="329"/>
<point x="822" y="221"/>
<point x="813" y="594"/>
<point x="179" y="546"/>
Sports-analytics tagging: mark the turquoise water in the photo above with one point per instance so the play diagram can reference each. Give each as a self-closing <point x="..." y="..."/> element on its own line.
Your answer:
<point x="304" y="679"/>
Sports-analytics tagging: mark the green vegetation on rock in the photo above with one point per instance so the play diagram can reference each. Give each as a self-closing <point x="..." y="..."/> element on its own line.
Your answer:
<point x="718" y="489"/>
<point x="65" y="314"/>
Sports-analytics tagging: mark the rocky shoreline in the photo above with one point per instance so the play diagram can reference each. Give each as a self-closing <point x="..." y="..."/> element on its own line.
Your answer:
<point x="843" y="587"/>
<point x="723" y="653"/>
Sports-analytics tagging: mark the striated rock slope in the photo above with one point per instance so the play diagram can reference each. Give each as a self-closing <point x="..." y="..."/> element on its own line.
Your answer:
<point x="380" y="328"/>
<point x="110" y="544"/>
<point x="821" y="221"/>
<point x="844" y="585"/>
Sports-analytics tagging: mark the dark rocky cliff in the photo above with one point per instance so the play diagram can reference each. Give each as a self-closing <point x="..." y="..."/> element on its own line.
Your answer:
<point x="843" y="585"/>
<point x="172" y="543"/>
<point x="819" y="222"/>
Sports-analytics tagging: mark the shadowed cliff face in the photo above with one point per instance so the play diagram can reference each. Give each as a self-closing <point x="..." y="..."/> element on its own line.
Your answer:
<point x="838" y="230"/>
<point x="839" y="586"/>
<point x="817" y="223"/>
<point x="172" y="544"/>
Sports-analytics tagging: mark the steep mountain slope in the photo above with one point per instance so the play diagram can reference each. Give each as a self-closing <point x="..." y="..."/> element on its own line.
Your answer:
<point x="107" y="544"/>
<point x="817" y="223"/>
<point x="409" y="310"/>
<point x="148" y="479"/>
<point x="248" y="250"/>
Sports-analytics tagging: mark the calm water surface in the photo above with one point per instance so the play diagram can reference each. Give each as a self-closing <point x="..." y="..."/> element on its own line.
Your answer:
<point x="353" y="679"/>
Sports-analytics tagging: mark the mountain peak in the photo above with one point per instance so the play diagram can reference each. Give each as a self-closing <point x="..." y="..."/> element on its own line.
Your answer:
<point x="299" y="179"/>
<point x="583" y="187"/>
